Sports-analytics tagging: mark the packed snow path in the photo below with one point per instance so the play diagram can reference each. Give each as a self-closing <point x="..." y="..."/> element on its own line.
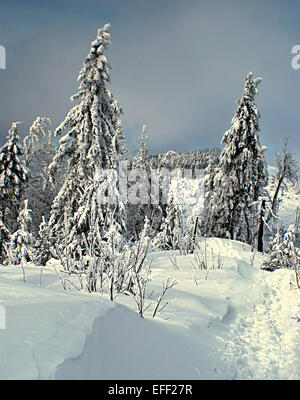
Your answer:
<point x="263" y="343"/>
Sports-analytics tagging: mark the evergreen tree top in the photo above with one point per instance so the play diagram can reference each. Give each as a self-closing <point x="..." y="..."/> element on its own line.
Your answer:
<point x="243" y="133"/>
<point x="13" y="139"/>
<point x="12" y="170"/>
<point x="38" y="139"/>
<point x="24" y="218"/>
<point x="94" y="139"/>
<point x="93" y="77"/>
<point x="144" y="136"/>
<point x="96" y="69"/>
<point x="251" y="87"/>
<point x="13" y="132"/>
<point x="141" y="158"/>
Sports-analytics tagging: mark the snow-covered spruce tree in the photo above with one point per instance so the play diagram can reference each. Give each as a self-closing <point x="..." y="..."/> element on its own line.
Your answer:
<point x="94" y="142"/>
<point x="283" y="252"/>
<point x="39" y="139"/>
<point x="170" y="236"/>
<point x="241" y="174"/>
<point x="274" y="261"/>
<point x="13" y="174"/>
<point x="142" y="157"/>
<point x="39" y="151"/>
<point x="137" y="213"/>
<point x="22" y="241"/>
<point x="41" y="248"/>
<point x="4" y="240"/>
<point x="206" y="222"/>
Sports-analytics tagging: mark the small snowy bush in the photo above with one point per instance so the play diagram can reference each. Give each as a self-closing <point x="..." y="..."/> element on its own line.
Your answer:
<point x="283" y="251"/>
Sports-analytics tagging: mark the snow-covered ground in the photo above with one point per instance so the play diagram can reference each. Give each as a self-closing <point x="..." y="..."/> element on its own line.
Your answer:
<point x="232" y="321"/>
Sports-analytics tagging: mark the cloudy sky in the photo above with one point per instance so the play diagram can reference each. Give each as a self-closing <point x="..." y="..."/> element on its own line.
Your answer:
<point x="177" y="66"/>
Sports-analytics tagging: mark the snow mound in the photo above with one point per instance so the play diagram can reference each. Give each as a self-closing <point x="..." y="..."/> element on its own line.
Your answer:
<point x="43" y="326"/>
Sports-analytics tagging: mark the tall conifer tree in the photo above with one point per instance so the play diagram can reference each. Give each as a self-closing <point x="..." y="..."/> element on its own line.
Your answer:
<point x="13" y="174"/>
<point x="241" y="175"/>
<point x="93" y="143"/>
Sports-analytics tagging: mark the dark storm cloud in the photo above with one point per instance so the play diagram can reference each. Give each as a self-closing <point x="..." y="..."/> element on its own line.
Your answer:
<point x="177" y="66"/>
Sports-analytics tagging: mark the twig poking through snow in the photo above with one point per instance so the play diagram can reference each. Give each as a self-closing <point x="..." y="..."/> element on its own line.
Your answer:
<point x="166" y="286"/>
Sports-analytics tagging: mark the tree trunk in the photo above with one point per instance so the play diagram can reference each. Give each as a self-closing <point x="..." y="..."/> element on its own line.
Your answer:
<point x="260" y="234"/>
<point x="192" y="248"/>
<point x="274" y="200"/>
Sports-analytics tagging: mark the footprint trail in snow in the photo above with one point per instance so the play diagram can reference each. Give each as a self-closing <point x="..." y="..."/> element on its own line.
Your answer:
<point x="264" y="342"/>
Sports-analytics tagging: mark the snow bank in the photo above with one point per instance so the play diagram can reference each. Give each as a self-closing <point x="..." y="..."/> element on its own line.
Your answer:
<point x="43" y="326"/>
<point x="123" y="346"/>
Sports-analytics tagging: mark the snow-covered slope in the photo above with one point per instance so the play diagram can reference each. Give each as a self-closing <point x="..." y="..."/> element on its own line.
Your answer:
<point x="232" y="321"/>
